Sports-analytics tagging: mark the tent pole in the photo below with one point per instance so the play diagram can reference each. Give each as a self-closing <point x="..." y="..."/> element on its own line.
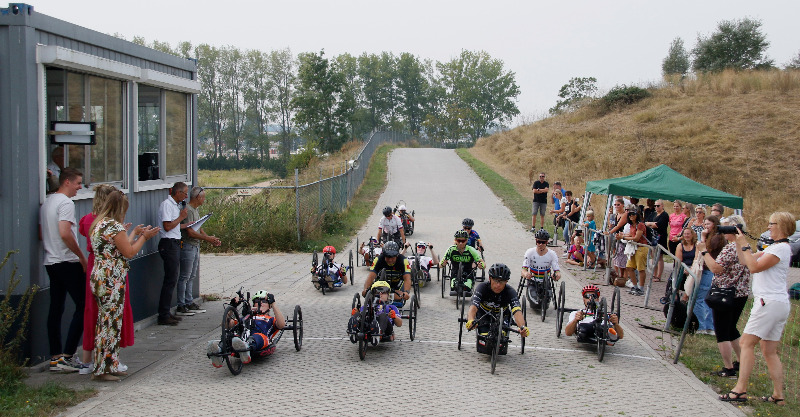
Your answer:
<point x="609" y="202"/>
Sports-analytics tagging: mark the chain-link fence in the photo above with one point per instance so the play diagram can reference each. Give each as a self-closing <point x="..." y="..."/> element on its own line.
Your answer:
<point x="281" y="216"/>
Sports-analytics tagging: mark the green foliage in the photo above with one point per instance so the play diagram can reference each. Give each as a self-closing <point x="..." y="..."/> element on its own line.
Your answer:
<point x="13" y="315"/>
<point x="573" y="93"/>
<point x="794" y="63"/>
<point x="677" y="59"/>
<point x="319" y="110"/>
<point x="623" y="95"/>
<point x="737" y="44"/>
<point x="302" y="159"/>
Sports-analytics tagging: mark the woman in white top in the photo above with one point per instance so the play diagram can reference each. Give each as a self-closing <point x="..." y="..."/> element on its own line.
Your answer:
<point x="770" y="307"/>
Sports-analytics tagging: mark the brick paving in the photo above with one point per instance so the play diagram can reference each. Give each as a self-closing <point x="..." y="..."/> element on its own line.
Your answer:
<point x="170" y="374"/>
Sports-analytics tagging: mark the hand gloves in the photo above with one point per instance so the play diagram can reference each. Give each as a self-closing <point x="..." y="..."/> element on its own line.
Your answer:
<point x="353" y="313"/>
<point x="470" y="324"/>
<point x="392" y="314"/>
<point x="524" y="331"/>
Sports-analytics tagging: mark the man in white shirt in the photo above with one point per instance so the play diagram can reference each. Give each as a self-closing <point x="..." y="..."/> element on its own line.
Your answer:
<point x="66" y="266"/>
<point x="170" y="214"/>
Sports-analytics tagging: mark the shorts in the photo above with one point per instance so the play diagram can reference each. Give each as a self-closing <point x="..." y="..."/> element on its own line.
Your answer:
<point x="591" y="248"/>
<point x="639" y="260"/>
<point x="539" y="207"/>
<point x="768" y="320"/>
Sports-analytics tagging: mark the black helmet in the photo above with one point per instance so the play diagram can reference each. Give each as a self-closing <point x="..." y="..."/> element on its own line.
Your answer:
<point x="461" y="234"/>
<point x="467" y="222"/>
<point x="541" y="234"/>
<point x="391" y="249"/>
<point x="500" y="272"/>
<point x="387" y="211"/>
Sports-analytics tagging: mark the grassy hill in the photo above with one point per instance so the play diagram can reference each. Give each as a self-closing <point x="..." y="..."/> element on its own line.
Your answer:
<point x="735" y="131"/>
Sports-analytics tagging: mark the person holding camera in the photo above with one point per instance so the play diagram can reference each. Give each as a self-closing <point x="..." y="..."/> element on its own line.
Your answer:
<point x="710" y="247"/>
<point x="170" y="214"/>
<point x="731" y="278"/>
<point x="581" y="322"/>
<point x="771" y="307"/>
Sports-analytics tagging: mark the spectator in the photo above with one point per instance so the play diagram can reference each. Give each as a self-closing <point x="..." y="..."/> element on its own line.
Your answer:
<point x="576" y="252"/>
<point x="65" y="265"/>
<point x="557" y="199"/>
<point x="770" y="307"/>
<point x="729" y="273"/>
<point x="639" y="259"/>
<point x="658" y="223"/>
<point x="540" y="189"/>
<point x="688" y="211"/>
<point x="112" y="248"/>
<point x="591" y="253"/>
<point x="558" y="209"/>
<point x="651" y="208"/>
<point x="717" y="209"/>
<point x="696" y="223"/>
<point x="639" y="207"/>
<point x="616" y="223"/>
<point x="170" y="214"/>
<point x="572" y="212"/>
<point x="712" y="245"/>
<point x="190" y="253"/>
<point x="54" y="168"/>
<point x="686" y="252"/>
<point x="676" y="220"/>
<point x="101" y="193"/>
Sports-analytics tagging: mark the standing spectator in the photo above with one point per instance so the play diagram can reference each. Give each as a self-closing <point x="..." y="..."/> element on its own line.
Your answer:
<point x="712" y="245"/>
<point x="591" y="253"/>
<point x="112" y="248"/>
<point x="170" y="214"/>
<point x="697" y="221"/>
<point x="101" y="193"/>
<point x="658" y="223"/>
<point x="558" y="208"/>
<point x="770" y="307"/>
<point x="717" y="209"/>
<point x="54" y="168"/>
<point x="190" y="253"/>
<point x="650" y="208"/>
<point x="639" y="207"/>
<point x="685" y="253"/>
<point x="616" y="223"/>
<point x="637" y="262"/>
<point x="540" y="189"/>
<point x="676" y="220"/>
<point x="688" y="211"/>
<point x="572" y="212"/>
<point x="729" y="273"/>
<point x="65" y="265"/>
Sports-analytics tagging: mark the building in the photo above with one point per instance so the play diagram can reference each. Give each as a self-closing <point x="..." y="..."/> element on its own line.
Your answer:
<point x="144" y="107"/>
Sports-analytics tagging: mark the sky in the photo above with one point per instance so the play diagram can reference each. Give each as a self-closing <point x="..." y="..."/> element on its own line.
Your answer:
<point x="545" y="43"/>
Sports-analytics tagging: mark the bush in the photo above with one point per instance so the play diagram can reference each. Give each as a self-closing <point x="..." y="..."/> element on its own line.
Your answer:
<point x="302" y="159"/>
<point x="624" y="95"/>
<point x="248" y="161"/>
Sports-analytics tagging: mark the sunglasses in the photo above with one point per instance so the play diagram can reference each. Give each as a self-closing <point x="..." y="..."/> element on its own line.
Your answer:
<point x="467" y="228"/>
<point x="541" y="242"/>
<point x="461" y="240"/>
<point x="658" y="205"/>
<point x="587" y="296"/>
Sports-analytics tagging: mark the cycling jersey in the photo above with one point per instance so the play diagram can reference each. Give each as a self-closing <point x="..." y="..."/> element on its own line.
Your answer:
<point x="390" y="226"/>
<point x="395" y="272"/>
<point x="487" y="300"/>
<point x="335" y="271"/>
<point x="472" y="240"/>
<point x="466" y="258"/>
<point x="540" y="265"/>
<point x="425" y="262"/>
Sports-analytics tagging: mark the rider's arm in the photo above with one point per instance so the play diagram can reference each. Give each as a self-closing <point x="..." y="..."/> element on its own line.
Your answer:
<point x="519" y="319"/>
<point x="397" y="320"/>
<point x="473" y="311"/>
<point x="615" y="321"/>
<point x="380" y="233"/>
<point x="476" y="256"/>
<point x="526" y="272"/>
<point x="480" y="244"/>
<point x="572" y="326"/>
<point x="280" y="321"/>
<point x="434" y="258"/>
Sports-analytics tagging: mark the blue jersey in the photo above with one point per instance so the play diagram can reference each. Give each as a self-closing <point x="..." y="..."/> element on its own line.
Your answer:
<point x="473" y="238"/>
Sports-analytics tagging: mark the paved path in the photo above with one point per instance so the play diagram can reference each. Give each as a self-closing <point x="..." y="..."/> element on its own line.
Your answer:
<point x="429" y="376"/>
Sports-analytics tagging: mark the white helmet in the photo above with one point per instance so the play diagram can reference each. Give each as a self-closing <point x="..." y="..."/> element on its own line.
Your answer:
<point x="402" y="207"/>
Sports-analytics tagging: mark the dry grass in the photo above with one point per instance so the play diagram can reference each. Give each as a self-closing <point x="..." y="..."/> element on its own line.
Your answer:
<point x="737" y="132"/>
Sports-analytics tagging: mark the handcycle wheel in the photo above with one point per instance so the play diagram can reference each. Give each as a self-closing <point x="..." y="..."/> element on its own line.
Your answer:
<point x="314" y="259"/>
<point x="358" y="248"/>
<point x="444" y="277"/>
<point x="230" y="323"/>
<point x="525" y="321"/>
<point x="356" y="305"/>
<point x="460" y="296"/>
<point x="545" y="299"/>
<point x="416" y="275"/>
<point x="615" y="302"/>
<point x="350" y="267"/>
<point x="483" y="271"/>
<point x="496" y="348"/>
<point x="438" y="272"/>
<point x="461" y="325"/>
<point x="297" y="331"/>
<point x="412" y="319"/>
<point x="562" y="295"/>
<point x="362" y="335"/>
<point x="521" y="296"/>
<point x="601" y="341"/>
<point x="556" y="303"/>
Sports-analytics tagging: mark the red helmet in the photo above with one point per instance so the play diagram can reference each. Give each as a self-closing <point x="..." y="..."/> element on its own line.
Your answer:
<point x="590" y="288"/>
<point x="329" y="249"/>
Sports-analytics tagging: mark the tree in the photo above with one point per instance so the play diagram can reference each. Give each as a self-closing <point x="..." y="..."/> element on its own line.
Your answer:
<point x="412" y="88"/>
<point x="258" y="92"/>
<point x="794" y="63"/>
<point x="377" y="77"/>
<point x="282" y="70"/>
<point x="232" y="83"/>
<point x="737" y="44"/>
<point x="573" y="93"/>
<point x="316" y="101"/>
<point x="209" y="103"/>
<point x="677" y="60"/>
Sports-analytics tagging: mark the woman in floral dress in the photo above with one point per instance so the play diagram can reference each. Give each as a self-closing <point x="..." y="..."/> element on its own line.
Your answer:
<point x="112" y="248"/>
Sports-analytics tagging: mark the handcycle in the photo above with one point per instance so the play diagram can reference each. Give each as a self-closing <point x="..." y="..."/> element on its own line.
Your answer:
<point x="320" y="275"/>
<point x="408" y="225"/>
<point x="538" y="293"/>
<point x="237" y="321"/>
<point x="419" y="275"/>
<point x="363" y="334"/>
<point x="460" y="277"/>
<point x="601" y="312"/>
<point x="386" y="237"/>
<point x="371" y="250"/>
<point x="495" y="341"/>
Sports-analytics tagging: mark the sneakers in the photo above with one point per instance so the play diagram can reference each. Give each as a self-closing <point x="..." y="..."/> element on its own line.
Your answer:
<point x="707" y="332"/>
<point x="87" y="368"/>
<point x="65" y="364"/>
<point x="244" y="350"/>
<point x="337" y="284"/>
<point x="628" y="284"/>
<point x="169" y="321"/>
<point x="638" y="291"/>
<point x="183" y="311"/>
<point x="212" y="350"/>
<point x="194" y="308"/>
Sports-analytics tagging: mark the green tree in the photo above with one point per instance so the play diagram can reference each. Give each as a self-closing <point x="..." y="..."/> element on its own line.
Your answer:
<point x="232" y="82"/>
<point x="794" y="63"/>
<point x="573" y="93"/>
<point x="378" y="84"/>
<point x="258" y="92"/>
<point x="412" y="87"/>
<point x="737" y="44"/>
<point x="316" y="101"/>
<point x="209" y="103"/>
<point x="677" y="60"/>
<point x="282" y="67"/>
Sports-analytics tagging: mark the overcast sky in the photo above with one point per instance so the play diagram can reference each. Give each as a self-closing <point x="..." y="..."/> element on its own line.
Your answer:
<point x="544" y="43"/>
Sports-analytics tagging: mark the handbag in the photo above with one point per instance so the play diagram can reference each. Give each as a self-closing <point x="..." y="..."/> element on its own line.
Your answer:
<point x="720" y="297"/>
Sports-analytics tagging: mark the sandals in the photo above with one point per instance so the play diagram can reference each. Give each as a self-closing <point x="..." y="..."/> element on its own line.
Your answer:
<point x="734" y="397"/>
<point x="774" y="400"/>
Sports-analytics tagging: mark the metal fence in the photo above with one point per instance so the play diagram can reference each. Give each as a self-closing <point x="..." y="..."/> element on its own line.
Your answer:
<point x="268" y="217"/>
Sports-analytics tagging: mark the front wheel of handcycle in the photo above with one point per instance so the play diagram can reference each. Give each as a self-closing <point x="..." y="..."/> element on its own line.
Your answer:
<point x="412" y="318"/>
<point x="297" y="330"/>
<point x="601" y="341"/>
<point x="545" y="298"/>
<point x="461" y="325"/>
<point x="231" y="325"/>
<point x="525" y="323"/>
<point x="562" y="295"/>
<point x="496" y="348"/>
<point x="350" y="267"/>
<point x="362" y="335"/>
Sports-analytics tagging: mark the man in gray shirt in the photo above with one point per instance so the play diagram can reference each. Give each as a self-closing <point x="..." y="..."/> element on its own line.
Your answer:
<point x="190" y="253"/>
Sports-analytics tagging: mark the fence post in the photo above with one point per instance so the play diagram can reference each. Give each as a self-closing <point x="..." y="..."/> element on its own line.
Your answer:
<point x="319" y="186"/>
<point x="297" y="202"/>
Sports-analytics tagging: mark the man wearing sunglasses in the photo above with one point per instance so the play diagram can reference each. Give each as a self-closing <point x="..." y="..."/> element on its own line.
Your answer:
<point x="465" y="255"/>
<point x="581" y="322"/>
<point x="540" y="189"/>
<point x="539" y="261"/>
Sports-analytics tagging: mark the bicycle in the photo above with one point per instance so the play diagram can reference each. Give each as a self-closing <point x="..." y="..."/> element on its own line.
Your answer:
<point x="601" y="312"/>
<point x="495" y="341"/>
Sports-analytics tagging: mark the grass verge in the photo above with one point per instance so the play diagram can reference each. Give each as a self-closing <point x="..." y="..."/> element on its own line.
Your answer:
<point x="18" y="399"/>
<point x="501" y="187"/>
<point x="701" y="356"/>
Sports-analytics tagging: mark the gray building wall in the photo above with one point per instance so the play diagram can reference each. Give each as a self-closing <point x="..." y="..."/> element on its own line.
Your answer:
<point x="20" y="115"/>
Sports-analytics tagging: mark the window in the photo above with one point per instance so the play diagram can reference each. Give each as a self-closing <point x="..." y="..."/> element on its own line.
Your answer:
<point x="163" y="134"/>
<point x="76" y="97"/>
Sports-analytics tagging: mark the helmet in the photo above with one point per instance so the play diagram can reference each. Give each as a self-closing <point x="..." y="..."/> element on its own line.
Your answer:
<point x="422" y="245"/>
<point x="259" y="294"/>
<point x="387" y="211"/>
<point x="381" y="287"/>
<point x="590" y="288"/>
<point x="373" y="239"/>
<point x="461" y="234"/>
<point x="402" y="207"/>
<point x="467" y="222"/>
<point x="499" y="272"/>
<point x="329" y="249"/>
<point x="541" y="234"/>
<point x="391" y="249"/>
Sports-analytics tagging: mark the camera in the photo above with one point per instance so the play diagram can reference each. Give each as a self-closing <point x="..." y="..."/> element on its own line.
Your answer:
<point x="182" y="204"/>
<point x="729" y="230"/>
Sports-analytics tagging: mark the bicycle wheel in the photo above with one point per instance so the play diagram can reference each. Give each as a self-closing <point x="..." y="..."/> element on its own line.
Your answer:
<point x="350" y="267"/>
<point x="525" y="321"/>
<point x="553" y="293"/>
<point x="461" y="326"/>
<point x="444" y="277"/>
<point x="545" y="298"/>
<point x="615" y="302"/>
<point x="362" y="335"/>
<point x="297" y="331"/>
<point x="314" y="259"/>
<point x="496" y="348"/>
<point x="562" y="294"/>
<point x="412" y="319"/>
<point x="601" y="340"/>
<point x="231" y="326"/>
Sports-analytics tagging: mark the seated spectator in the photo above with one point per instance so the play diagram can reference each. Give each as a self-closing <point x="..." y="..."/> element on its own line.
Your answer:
<point x="576" y="252"/>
